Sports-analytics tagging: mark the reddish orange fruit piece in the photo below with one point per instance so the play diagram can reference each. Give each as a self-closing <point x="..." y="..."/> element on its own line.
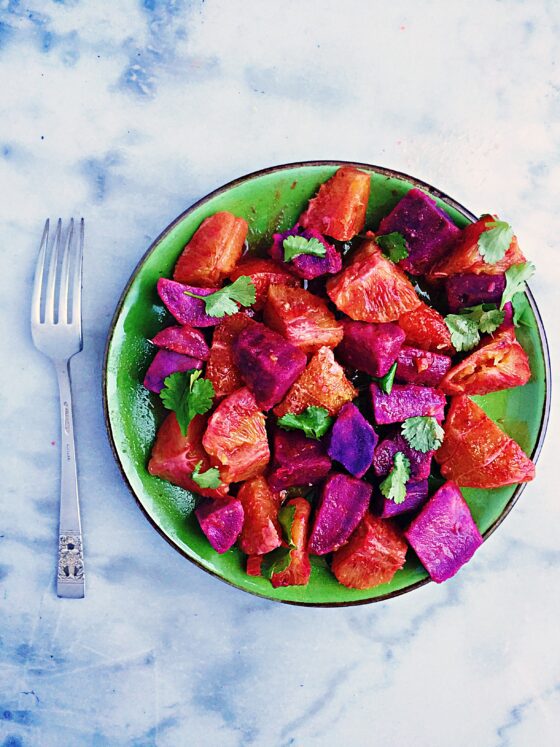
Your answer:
<point x="465" y="257"/>
<point x="220" y="369"/>
<point x="322" y="384"/>
<point x="213" y="251"/>
<point x="339" y="209"/>
<point x="261" y="531"/>
<point x="476" y="453"/>
<point x="263" y="274"/>
<point x="299" y="569"/>
<point x="253" y="567"/>
<point x="236" y="438"/>
<point x="302" y="318"/>
<point x="371" y="288"/>
<point x="175" y="456"/>
<point x="372" y="555"/>
<point x="500" y="363"/>
<point x="425" y="328"/>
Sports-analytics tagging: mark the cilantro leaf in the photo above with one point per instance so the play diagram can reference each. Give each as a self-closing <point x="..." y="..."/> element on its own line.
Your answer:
<point x="313" y="421"/>
<point x="464" y="332"/>
<point x="223" y="302"/>
<point x="276" y="561"/>
<point x="187" y="395"/>
<point x="516" y="277"/>
<point x="521" y="311"/>
<point x="209" y="479"/>
<point x="490" y="320"/>
<point x="286" y="517"/>
<point x="393" y="486"/>
<point x="494" y="243"/>
<point x="393" y="245"/>
<point x="423" y="433"/>
<point x="385" y="383"/>
<point x="295" y="245"/>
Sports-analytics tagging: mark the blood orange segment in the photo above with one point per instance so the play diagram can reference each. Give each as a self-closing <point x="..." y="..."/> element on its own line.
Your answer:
<point x="236" y="438"/>
<point x="263" y="274"/>
<point x="220" y="369"/>
<point x="299" y="570"/>
<point x="213" y="251"/>
<point x="425" y="328"/>
<point x="261" y="531"/>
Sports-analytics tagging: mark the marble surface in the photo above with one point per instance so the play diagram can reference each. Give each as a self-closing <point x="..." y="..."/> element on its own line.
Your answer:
<point x="126" y="112"/>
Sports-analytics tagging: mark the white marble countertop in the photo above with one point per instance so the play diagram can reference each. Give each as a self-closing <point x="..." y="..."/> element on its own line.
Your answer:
<point x="126" y="112"/>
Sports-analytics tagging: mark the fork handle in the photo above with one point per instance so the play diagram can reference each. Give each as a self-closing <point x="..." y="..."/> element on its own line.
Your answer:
<point x="70" y="568"/>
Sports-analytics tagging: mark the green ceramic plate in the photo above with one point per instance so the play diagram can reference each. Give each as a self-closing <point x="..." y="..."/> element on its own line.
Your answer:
<point x="271" y="200"/>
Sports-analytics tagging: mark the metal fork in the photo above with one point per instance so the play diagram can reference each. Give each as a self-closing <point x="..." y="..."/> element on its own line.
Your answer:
<point x="56" y="328"/>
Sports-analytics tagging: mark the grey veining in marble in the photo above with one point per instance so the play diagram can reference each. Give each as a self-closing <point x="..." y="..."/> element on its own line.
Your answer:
<point x="128" y="111"/>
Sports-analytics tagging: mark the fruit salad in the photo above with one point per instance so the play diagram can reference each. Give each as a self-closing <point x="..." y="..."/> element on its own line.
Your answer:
<point x="318" y="398"/>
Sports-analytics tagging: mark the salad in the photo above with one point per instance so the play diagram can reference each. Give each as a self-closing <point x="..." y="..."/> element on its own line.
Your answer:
<point x="319" y="397"/>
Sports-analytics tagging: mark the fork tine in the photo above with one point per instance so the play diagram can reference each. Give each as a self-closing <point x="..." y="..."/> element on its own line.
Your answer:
<point x="77" y="280"/>
<point x="64" y="276"/>
<point x="38" y="279"/>
<point x="51" y="278"/>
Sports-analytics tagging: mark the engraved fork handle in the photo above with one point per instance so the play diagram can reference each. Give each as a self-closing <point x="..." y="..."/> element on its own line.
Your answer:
<point x="70" y="570"/>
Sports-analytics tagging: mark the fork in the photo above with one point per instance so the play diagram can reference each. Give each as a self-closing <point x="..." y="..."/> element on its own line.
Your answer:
<point x="56" y="328"/>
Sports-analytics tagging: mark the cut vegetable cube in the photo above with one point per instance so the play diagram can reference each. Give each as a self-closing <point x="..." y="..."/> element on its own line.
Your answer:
<point x="236" y="437"/>
<point x="322" y="384"/>
<point x="267" y="363"/>
<point x="263" y="274"/>
<point x="384" y="456"/>
<point x="425" y="328"/>
<point x="307" y="266"/>
<point x="372" y="348"/>
<point x="371" y="288"/>
<point x="221" y="522"/>
<point x="182" y="339"/>
<point x="165" y="363"/>
<point x="406" y="401"/>
<point x="339" y="209"/>
<point x="444" y="535"/>
<point x="175" y="456"/>
<point x="416" y="496"/>
<point x="186" y="309"/>
<point x="375" y="552"/>
<point x="297" y="460"/>
<point x="422" y="367"/>
<point x="352" y="441"/>
<point x="467" y="289"/>
<point x="341" y="507"/>
<point x="428" y="230"/>
<point x="302" y="318"/>
<point x="220" y="369"/>
<point x="261" y="531"/>
<point x="213" y="251"/>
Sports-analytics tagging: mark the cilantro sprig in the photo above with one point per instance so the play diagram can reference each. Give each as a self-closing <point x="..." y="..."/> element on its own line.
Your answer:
<point x="466" y="326"/>
<point x="224" y="302"/>
<point x="187" y="395"/>
<point x="313" y="421"/>
<point x="276" y="561"/>
<point x="209" y="479"/>
<point x="516" y="277"/>
<point x="393" y="245"/>
<point x="423" y="433"/>
<point x="393" y="486"/>
<point x="295" y="245"/>
<point x="494" y="242"/>
<point x="385" y="383"/>
<point x="286" y="517"/>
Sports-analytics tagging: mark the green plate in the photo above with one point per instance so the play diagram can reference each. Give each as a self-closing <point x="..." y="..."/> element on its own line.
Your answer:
<point x="271" y="200"/>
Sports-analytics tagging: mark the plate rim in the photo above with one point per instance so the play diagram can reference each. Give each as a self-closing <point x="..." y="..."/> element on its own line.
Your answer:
<point x="384" y="171"/>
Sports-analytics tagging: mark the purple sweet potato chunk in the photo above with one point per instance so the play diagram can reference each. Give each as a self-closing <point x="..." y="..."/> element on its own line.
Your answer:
<point x="297" y="460"/>
<point x="344" y="501"/>
<point x="406" y="401"/>
<point x="352" y="441"/>
<point x="186" y="309"/>
<point x="383" y="458"/>
<point x="267" y="363"/>
<point x="415" y="366"/>
<point x="444" y="535"/>
<point x="221" y="521"/>
<point x="428" y="230"/>
<point x="165" y="363"/>
<point x="416" y="495"/>
<point x="182" y="339"/>
<point x="372" y="348"/>
<point x="306" y="265"/>
<point x="468" y="289"/>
